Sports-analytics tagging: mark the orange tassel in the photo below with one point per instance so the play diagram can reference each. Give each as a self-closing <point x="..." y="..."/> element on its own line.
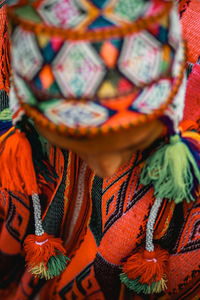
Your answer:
<point x="17" y="170"/>
<point x="39" y="249"/>
<point x="45" y="256"/>
<point x="149" y="267"/>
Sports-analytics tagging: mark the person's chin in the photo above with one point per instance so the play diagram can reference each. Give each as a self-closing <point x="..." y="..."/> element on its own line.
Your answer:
<point x="103" y="175"/>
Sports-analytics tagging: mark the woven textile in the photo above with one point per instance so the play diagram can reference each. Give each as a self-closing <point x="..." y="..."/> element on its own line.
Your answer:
<point x="97" y="250"/>
<point x="190" y="14"/>
<point x="191" y="29"/>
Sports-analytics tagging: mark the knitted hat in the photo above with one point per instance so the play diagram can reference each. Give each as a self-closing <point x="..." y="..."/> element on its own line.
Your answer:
<point x="86" y="67"/>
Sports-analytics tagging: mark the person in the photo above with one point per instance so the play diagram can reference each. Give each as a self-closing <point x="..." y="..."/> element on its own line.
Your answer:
<point x="99" y="179"/>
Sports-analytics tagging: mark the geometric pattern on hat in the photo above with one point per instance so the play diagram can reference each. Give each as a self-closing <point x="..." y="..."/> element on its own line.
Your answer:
<point x="175" y="32"/>
<point x="151" y="97"/>
<point x="86" y="69"/>
<point x="71" y="13"/>
<point x="73" y="115"/>
<point x="81" y="14"/>
<point x="66" y="13"/>
<point x="96" y="85"/>
<point x="175" y="110"/>
<point x="141" y="58"/>
<point x="30" y="63"/>
<point x="24" y="91"/>
<point x="77" y="69"/>
<point x="178" y="58"/>
<point x="126" y="10"/>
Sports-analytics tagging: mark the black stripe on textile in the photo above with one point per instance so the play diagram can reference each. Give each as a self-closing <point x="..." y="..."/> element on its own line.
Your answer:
<point x="3" y="3"/>
<point x="107" y="276"/>
<point x="169" y="239"/>
<point x="4" y="101"/>
<point x="11" y="269"/>
<point x="189" y="294"/>
<point x="187" y="297"/>
<point x="53" y="219"/>
<point x="96" y="217"/>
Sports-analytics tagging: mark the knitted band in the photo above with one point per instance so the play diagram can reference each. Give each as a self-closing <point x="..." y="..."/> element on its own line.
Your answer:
<point x="94" y="35"/>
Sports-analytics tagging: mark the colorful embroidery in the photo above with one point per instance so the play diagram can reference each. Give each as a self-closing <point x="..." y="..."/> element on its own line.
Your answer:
<point x="73" y="114"/>
<point x="24" y="91"/>
<point x="151" y="97"/>
<point x="144" y="59"/>
<point x="78" y="70"/>
<point x="28" y="64"/>
<point x="128" y="10"/>
<point x="64" y="13"/>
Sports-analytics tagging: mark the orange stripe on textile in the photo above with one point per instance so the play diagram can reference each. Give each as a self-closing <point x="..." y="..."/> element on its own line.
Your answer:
<point x="191" y="30"/>
<point x="192" y="102"/>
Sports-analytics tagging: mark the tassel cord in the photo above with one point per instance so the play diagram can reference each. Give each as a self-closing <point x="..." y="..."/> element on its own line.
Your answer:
<point x="151" y="223"/>
<point x="37" y="215"/>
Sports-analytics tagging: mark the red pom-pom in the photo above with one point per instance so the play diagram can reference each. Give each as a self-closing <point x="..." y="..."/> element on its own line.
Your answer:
<point x="39" y="249"/>
<point x="148" y="267"/>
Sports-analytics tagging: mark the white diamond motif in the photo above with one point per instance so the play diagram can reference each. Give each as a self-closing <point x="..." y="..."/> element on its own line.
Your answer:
<point x="129" y="10"/>
<point x="61" y="13"/>
<point x="26" y="57"/>
<point x="152" y="97"/>
<point x="74" y="114"/>
<point x="78" y="70"/>
<point x="140" y="58"/>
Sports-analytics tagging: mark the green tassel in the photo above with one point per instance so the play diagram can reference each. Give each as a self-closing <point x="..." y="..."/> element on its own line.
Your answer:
<point x="136" y="286"/>
<point x="56" y="265"/>
<point x="169" y="169"/>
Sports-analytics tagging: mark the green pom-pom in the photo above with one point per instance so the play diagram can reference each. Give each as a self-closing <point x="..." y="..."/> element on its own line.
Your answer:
<point x="171" y="170"/>
<point x="136" y="286"/>
<point x="56" y="265"/>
